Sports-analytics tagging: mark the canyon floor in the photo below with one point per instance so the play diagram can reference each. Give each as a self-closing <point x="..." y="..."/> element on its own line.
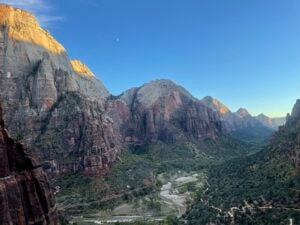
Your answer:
<point x="146" y="185"/>
<point x="172" y="198"/>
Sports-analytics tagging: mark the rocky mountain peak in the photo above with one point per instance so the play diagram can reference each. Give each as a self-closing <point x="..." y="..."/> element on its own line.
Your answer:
<point x="215" y="104"/>
<point x="81" y="68"/>
<point x="242" y="112"/>
<point x="263" y="116"/>
<point x="161" y="85"/>
<point x="267" y="121"/>
<point x="151" y="92"/>
<point x="23" y="26"/>
<point x="162" y="110"/>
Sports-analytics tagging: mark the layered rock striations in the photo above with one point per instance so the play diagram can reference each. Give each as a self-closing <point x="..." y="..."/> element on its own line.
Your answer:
<point x="161" y="110"/>
<point x="25" y="194"/>
<point x="54" y="108"/>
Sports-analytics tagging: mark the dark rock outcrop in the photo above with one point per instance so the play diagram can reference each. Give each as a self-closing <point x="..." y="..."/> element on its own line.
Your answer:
<point x="25" y="193"/>
<point x="295" y="115"/>
<point x="287" y="140"/>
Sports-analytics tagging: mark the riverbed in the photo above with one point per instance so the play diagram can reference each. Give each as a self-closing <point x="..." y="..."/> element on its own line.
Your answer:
<point x="172" y="198"/>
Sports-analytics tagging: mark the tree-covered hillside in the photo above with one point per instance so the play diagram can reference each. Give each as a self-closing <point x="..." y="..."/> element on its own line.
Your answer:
<point x="263" y="188"/>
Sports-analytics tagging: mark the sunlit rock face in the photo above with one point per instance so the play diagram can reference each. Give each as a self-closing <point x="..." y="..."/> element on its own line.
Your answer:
<point x="161" y="110"/>
<point x="24" y="27"/>
<point x="25" y="193"/>
<point x="53" y="108"/>
<point x="81" y="68"/>
<point x="216" y="105"/>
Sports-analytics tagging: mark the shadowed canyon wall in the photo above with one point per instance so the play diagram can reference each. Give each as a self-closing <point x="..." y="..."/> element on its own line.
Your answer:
<point x="25" y="193"/>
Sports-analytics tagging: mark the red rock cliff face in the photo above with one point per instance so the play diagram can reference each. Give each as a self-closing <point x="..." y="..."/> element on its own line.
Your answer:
<point x="163" y="111"/>
<point x="25" y="194"/>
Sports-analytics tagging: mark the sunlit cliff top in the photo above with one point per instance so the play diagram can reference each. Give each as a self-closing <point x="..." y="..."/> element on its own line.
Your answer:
<point x="215" y="103"/>
<point x="24" y="27"/>
<point x="81" y="68"/>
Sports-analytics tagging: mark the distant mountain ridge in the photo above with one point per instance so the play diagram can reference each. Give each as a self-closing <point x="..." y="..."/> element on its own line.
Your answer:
<point x="271" y="122"/>
<point x="242" y="118"/>
<point x="242" y="124"/>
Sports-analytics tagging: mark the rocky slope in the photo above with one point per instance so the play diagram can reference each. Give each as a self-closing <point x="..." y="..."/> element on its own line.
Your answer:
<point x="161" y="110"/>
<point x="54" y="108"/>
<point x="247" y="119"/>
<point x="25" y="194"/>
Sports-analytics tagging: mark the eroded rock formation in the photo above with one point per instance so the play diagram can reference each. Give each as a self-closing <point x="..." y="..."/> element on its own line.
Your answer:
<point x="162" y="110"/>
<point x="25" y="194"/>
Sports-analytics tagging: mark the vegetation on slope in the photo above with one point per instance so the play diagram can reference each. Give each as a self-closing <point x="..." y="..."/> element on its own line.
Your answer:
<point x="263" y="188"/>
<point x="135" y="174"/>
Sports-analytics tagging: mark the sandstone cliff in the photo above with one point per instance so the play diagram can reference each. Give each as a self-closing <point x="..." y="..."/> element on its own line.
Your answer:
<point x="24" y="27"/>
<point x="25" y="194"/>
<point x="162" y="110"/>
<point x="81" y="68"/>
<point x="52" y="107"/>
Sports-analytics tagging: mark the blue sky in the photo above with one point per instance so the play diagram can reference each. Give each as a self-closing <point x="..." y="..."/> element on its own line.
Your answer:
<point x="244" y="52"/>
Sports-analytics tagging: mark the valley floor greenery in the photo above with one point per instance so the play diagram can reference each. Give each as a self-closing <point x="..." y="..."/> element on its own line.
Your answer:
<point x="135" y="176"/>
